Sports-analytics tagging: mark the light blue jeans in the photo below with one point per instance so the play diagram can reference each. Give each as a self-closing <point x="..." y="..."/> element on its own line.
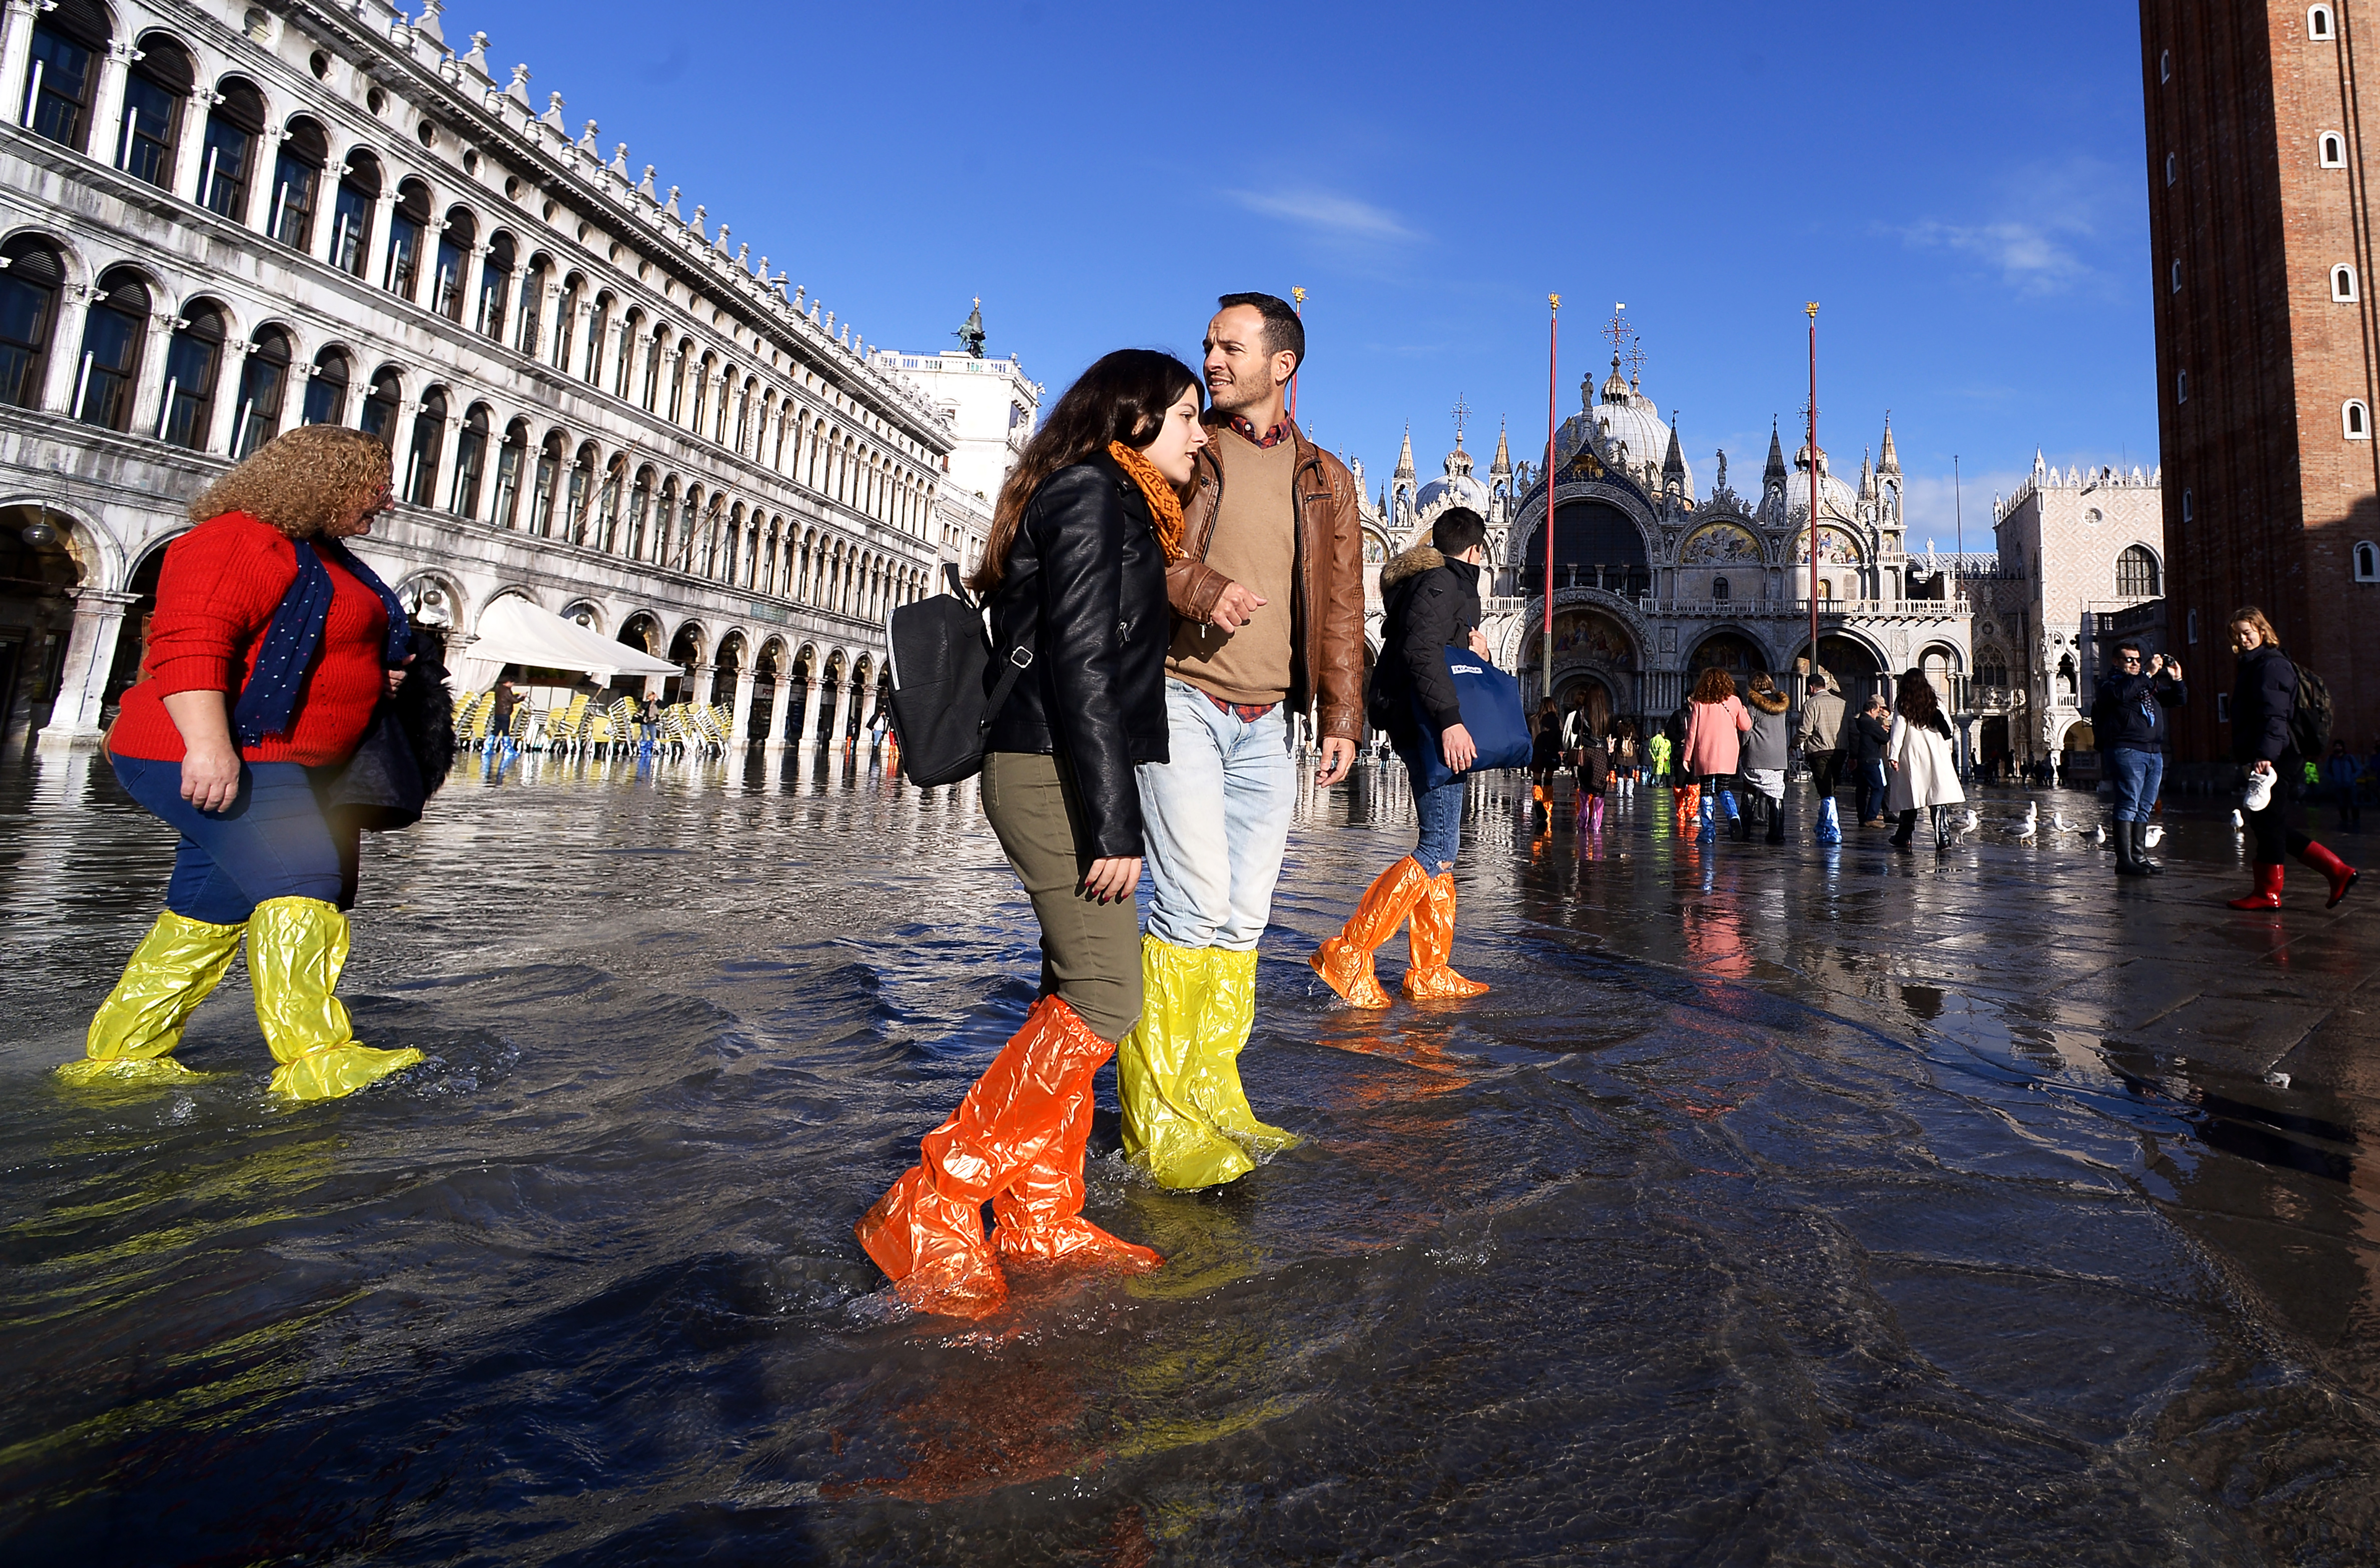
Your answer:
<point x="1216" y="819"/>
<point x="2138" y="776"/>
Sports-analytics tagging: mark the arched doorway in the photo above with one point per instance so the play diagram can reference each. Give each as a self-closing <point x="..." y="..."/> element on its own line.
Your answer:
<point x="1851" y="665"/>
<point x="830" y="693"/>
<point x="1731" y="652"/>
<point x="732" y="655"/>
<point x="37" y="573"/>
<point x="1588" y="691"/>
<point x="1596" y="545"/>
<point x="685" y="652"/>
<point x="766" y="674"/>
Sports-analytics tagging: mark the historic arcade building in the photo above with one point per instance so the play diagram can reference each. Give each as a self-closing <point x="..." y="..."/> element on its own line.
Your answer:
<point x="220" y="219"/>
<point x="1654" y="581"/>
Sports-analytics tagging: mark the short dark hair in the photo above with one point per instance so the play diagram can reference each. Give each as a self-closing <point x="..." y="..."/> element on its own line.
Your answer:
<point x="1457" y="529"/>
<point x="2129" y="647"/>
<point x="1283" y="332"/>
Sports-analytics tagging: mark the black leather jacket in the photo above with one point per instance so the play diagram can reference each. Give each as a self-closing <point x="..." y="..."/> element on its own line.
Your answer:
<point x="1086" y="588"/>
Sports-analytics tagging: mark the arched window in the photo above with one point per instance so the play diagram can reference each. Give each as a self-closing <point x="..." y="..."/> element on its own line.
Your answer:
<point x="112" y="333"/>
<point x="408" y="225"/>
<point x="2170" y="168"/>
<point x="381" y="405"/>
<point x="193" y="357"/>
<point x="2176" y="285"/>
<point x="2353" y="418"/>
<point x="263" y="387"/>
<point x="68" y="42"/>
<point x="2136" y="573"/>
<point x="2367" y="561"/>
<point x="156" y="90"/>
<point x="495" y="283"/>
<point x="297" y="184"/>
<point x="510" y="459"/>
<point x="470" y="462"/>
<point x="599" y="323"/>
<point x="351" y="213"/>
<point x="2181" y="387"/>
<point x="2334" y="151"/>
<point x="581" y="485"/>
<point x="2342" y="284"/>
<point x="326" y="389"/>
<point x="702" y="377"/>
<point x="1719" y="588"/>
<point x="541" y="499"/>
<point x="454" y="240"/>
<point x="655" y="355"/>
<point x="632" y="328"/>
<point x="235" y="127"/>
<point x="420" y="487"/>
<point x="29" y="309"/>
<point x="2318" y="23"/>
<point x="607" y="504"/>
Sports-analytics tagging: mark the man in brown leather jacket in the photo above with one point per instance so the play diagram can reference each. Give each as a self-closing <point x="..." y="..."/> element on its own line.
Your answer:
<point x="1267" y="602"/>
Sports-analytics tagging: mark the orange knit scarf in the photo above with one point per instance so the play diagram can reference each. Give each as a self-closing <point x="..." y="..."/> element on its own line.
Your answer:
<point x="1164" y="507"/>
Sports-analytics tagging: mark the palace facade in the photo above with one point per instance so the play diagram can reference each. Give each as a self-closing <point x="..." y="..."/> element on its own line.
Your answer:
<point x="220" y="220"/>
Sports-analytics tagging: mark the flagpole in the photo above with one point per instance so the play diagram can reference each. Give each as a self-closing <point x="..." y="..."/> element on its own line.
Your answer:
<point x="1814" y="487"/>
<point x="1297" y="302"/>
<point x="1553" y="360"/>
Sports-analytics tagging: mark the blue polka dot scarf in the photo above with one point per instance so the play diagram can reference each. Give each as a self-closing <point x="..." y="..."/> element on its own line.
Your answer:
<point x="268" y="703"/>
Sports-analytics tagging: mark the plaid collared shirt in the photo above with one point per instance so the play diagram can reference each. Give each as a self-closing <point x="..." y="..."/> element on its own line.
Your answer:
<point x="1267" y="441"/>
<point x="1248" y="712"/>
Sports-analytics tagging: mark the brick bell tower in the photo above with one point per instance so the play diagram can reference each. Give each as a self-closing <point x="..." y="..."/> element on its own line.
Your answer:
<point x="2260" y="224"/>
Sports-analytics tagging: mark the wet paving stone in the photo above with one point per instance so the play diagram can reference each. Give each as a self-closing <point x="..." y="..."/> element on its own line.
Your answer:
<point x="1778" y="1205"/>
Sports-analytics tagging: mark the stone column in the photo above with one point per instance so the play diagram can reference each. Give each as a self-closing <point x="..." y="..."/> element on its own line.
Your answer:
<point x="64" y="368"/>
<point x="806" y="736"/>
<point x="16" y="55"/>
<point x="82" y="683"/>
<point x="698" y="685"/>
<point x="450" y="441"/>
<point x="106" y="103"/>
<point x="739" y="723"/>
<point x="320" y="242"/>
<point x="189" y="149"/>
<point x="549" y="325"/>
<point x="260" y="215"/>
<point x="777" y="715"/>
<point x="150" y="399"/>
<point x="475" y="272"/>
<point x="384" y="238"/>
<point x="217" y="436"/>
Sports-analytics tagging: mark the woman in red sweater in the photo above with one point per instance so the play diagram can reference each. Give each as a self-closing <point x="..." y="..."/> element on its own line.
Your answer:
<point x="270" y="648"/>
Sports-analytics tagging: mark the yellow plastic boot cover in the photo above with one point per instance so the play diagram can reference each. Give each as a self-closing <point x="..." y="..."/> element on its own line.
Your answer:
<point x="133" y="1034"/>
<point x="1166" y="1132"/>
<point x="1215" y="1068"/>
<point x="1344" y="961"/>
<point x="296" y="948"/>
<point x="1432" y="936"/>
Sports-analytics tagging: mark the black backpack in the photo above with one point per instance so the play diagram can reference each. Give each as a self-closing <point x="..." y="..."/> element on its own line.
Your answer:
<point x="939" y="651"/>
<point x="2309" y="718"/>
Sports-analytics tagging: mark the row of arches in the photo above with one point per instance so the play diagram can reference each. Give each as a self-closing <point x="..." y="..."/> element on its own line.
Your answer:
<point x="146" y="367"/>
<point x="392" y="230"/>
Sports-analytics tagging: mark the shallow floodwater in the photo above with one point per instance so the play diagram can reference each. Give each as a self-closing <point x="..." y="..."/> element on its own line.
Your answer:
<point x="1776" y="1207"/>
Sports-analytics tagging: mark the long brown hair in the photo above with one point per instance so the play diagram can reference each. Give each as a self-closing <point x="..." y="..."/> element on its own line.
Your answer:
<point x="301" y="481"/>
<point x="1715" y="685"/>
<point x="1916" y="700"/>
<point x="1121" y="397"/>
<point x="2255" y="618"/>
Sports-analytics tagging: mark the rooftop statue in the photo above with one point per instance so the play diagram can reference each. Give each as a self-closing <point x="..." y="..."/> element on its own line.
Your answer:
<point x="970" y="336"/>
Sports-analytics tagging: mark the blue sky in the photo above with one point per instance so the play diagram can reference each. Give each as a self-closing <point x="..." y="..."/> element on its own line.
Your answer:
<point x="1962" y="187"/>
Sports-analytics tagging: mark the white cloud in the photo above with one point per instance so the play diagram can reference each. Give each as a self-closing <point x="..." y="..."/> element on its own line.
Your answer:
<point x="1336" y="217"/>
<point x="2029" y="258"/>
<point x="2040" y="240"/>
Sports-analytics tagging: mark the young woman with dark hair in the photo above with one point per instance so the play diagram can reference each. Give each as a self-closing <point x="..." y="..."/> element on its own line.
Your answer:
<point x="2262" y="703"/>
<point x="1917" y="754"/>
<point x="1076" y="573"/>
<point x="1716" y="722"/>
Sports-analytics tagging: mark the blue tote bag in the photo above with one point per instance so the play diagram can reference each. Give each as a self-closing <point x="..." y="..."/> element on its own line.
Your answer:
<point x="1492" y="711"/>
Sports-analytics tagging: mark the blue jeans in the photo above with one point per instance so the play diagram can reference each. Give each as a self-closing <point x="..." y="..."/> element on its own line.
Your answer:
<point x="271" y="842"/>
<point x="1440" y="812"/>
<point x="1871" y="791"/>
<point x="2138" y="776"/>
<point x="1215" y="821"/>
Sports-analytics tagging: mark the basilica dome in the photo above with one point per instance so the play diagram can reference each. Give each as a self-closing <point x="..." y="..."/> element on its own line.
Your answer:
<point x="1833" y="496"/>
<point x="1622" y="416"/>
<point x="1454" y="490"/>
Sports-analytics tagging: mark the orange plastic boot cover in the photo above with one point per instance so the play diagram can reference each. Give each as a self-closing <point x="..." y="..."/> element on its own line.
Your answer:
<point x="927" y="1232"/>
<point x="1039" y="1215"/>
<point x="1346" y="960"/>
<point x="1432" y="936"/>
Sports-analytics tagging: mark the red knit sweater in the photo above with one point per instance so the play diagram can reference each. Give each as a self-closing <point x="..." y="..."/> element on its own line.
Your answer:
<point x="215" y="596"/>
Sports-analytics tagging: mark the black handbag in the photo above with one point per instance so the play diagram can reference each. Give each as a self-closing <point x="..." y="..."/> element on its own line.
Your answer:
<point x="938" y="655"/>
<point x="405" y="750"/>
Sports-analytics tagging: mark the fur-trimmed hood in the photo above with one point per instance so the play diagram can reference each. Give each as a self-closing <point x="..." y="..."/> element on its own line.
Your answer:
<point x="1424" y="557"/>
<point x="1768" y="702"/>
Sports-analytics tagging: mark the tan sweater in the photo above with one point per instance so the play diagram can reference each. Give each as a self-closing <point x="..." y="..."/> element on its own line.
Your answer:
<point x="1254" y="545"/>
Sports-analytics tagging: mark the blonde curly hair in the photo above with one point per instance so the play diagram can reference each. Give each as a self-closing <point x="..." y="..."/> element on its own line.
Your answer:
<point x="301" y="480"/>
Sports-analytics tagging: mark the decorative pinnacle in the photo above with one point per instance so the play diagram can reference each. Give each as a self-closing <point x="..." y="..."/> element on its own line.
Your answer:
<point x="1298" y="296"/>
<point x="1554" y="301"/>
<point x="1813" y="308"/>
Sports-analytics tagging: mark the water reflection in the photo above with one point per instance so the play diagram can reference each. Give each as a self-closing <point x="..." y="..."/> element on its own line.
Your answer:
<point x="1776" y="1203"/>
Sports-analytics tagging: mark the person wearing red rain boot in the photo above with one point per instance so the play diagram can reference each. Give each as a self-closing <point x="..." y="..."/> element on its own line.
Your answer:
<point x="1075" y="575"/>
<point x="1433" y="604"/>
<point x="2264" y="739"/>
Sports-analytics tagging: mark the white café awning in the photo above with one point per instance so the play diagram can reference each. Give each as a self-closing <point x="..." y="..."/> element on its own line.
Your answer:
<point x="513" y="631"/>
